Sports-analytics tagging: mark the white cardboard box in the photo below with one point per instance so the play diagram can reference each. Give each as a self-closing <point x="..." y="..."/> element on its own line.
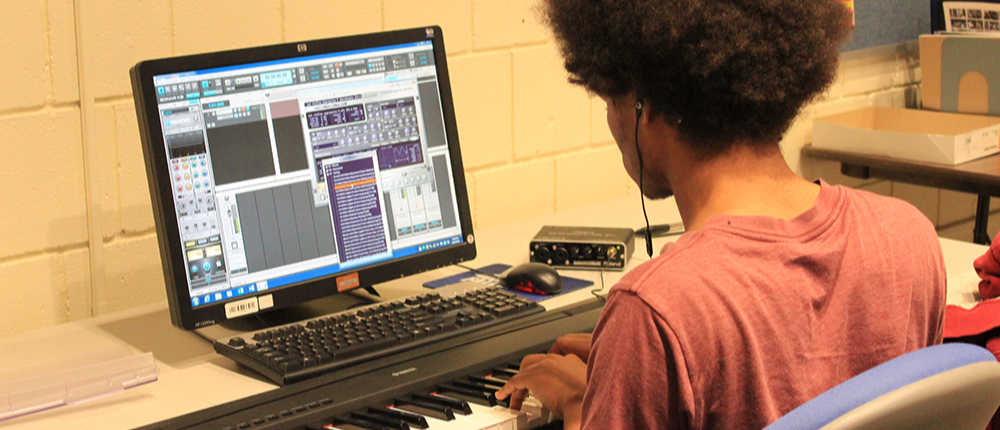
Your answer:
<point x="910" y="134"/>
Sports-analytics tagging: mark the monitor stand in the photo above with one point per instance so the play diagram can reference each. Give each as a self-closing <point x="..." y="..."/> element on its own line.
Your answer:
<point x="308" y="310"/>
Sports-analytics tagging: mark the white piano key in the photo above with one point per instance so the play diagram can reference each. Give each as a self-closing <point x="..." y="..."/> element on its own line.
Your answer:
<point x="475" y="421"/>
<point x="537" y="414"/>
<point x="506" y="419"/>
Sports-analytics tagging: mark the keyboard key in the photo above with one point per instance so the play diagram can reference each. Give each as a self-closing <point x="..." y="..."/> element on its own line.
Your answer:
<point x="309" y="362"/>
<point x="359" y="349"/>
<point x="431" y="410"/>
<point x="391" y="423"/>
<point x="488" y="383"/>
<point x="414" y="420"/>
<point x="467" y="395"/>
<point x="503" y="374"/>
<point x="348" y="423"/>
<point x="290" y="365"/>
<point x="457" y="406"/>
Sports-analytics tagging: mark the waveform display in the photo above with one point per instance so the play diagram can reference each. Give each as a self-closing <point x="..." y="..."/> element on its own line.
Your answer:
<point x="399" y="155"/>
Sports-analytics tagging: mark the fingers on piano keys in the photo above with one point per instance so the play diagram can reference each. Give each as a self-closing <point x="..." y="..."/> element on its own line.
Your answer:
<point x="464" y="404"/>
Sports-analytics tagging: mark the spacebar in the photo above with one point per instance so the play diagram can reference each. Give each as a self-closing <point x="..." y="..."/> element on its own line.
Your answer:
<point x="364" y="348"/>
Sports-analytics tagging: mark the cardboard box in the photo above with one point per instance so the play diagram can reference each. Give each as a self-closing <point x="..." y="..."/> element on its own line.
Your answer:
<point x="961" y="74"/>
<point x="919" y="135"/>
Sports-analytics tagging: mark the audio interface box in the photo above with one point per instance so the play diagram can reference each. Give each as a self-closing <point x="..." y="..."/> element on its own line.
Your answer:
<point x="583" y="247"/>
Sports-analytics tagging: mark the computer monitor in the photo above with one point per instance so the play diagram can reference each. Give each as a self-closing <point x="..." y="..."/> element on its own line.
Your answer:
<point x="286" y="173"/>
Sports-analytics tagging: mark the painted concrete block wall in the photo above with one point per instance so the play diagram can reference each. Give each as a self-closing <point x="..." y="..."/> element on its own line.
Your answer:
<point x="528" y="137"/>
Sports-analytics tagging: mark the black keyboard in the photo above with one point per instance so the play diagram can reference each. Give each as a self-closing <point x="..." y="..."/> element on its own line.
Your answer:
<point x="463" y="403"/>
<point x="311" y="348"/>
<point x="462" y="372"/>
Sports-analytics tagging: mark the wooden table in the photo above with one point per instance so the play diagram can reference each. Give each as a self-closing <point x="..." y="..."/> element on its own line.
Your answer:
<point x="980" y="177"/>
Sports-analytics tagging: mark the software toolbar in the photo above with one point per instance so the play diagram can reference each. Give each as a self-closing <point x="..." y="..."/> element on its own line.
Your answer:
<point x="323" y="71"/>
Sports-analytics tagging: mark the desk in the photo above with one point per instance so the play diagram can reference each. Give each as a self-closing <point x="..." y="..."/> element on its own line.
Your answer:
<point x="980" y="177"/>
<point x="193" y="377"/>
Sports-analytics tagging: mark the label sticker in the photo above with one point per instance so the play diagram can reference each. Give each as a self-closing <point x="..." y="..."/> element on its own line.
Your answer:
<point x="348" y="282"/>
<point x="265" y="302"/>
<point x="242" y="307"/>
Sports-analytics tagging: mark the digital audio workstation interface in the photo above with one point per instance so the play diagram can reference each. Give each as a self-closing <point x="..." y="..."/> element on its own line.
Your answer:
<point x="290" y="170"/>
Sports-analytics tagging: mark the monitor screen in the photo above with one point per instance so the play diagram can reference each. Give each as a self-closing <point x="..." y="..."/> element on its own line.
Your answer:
<point x="319" y="167"/>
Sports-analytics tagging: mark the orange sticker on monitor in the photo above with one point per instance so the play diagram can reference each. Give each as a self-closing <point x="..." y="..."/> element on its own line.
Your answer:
<point x="348" y="282"/>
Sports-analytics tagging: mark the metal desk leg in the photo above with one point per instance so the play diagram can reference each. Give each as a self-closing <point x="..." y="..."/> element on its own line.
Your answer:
<point x="979" y="233"/>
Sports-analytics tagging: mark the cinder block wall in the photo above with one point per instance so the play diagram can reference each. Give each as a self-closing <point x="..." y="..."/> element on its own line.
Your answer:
<point x="527" y="135"/>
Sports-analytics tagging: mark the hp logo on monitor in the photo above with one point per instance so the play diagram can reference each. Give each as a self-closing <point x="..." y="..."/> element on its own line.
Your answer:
<point x="302" y="47"/>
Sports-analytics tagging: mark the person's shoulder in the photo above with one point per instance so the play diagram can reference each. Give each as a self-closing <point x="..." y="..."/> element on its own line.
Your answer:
<point x="881" y="209"/>
<point x="680" y="263"/>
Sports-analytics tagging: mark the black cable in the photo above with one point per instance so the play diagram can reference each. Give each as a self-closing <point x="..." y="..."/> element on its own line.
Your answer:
<point x="596" y="292"/>
<point x="642" y="197"/>
<point x="479" y="271"/>
<point x="662" y="230"/>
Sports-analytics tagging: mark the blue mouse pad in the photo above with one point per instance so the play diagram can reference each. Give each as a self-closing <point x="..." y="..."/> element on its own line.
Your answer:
<point x="569" y="284"/>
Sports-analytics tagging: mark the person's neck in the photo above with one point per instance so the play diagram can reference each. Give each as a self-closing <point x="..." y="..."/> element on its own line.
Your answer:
<point x="740" y="181"/>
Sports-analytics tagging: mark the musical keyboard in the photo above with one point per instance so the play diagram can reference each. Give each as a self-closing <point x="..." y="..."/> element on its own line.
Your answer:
<point x="447" y="386"/>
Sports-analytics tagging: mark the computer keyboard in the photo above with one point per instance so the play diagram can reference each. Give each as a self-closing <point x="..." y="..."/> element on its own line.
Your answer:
<point x="311" y="348"/>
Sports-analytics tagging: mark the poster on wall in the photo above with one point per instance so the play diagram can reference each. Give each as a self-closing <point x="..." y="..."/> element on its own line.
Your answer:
<point x="972" y="18"/>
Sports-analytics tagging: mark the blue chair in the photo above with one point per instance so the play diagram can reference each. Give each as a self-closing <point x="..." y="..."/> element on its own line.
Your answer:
<point x="953" y="386"/>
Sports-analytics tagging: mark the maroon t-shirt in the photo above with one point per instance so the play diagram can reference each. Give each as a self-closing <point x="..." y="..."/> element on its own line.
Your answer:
<point x="737" y="324"/>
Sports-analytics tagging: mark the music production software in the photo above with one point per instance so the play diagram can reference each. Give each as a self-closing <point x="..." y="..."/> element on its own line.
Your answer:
<point x="290" y="170"/>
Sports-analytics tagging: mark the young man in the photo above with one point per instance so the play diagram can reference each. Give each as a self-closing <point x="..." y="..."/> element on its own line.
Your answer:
<point x="782" y="288"/>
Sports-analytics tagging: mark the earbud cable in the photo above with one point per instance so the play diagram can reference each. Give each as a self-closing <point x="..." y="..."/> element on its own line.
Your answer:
<point x="642" y="196"/>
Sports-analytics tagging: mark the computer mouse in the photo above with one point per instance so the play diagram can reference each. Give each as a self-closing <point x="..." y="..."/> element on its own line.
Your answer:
<point x="534" y="278"/>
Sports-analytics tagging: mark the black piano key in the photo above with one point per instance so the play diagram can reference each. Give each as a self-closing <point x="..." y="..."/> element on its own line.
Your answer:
<point x="457" y="406"/>
<point x="414" y="420"/>
<point x="515" y="366"/>
<point x="367" y="425"/>
<point x="512" y="369"/>
<point x="432" y="410"/>
<point x="338" y="426"/>
<point x="471" y="396"/>
<point x="504" y="374"/>
<point x="391" y="423"/>
<point x="469" y="385"/>
<point x="489" y="383"/>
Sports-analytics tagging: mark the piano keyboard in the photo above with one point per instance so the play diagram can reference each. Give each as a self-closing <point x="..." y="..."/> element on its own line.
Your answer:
<point x="462" y="404"/>
<point x="449" y="385"/>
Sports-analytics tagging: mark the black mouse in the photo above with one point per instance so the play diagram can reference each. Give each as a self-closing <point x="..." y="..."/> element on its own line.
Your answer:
<point x="534" y="278"/>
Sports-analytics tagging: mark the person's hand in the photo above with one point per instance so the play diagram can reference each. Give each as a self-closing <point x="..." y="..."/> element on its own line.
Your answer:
<point x="558" y="381"/>
<point x="577" y="344"/>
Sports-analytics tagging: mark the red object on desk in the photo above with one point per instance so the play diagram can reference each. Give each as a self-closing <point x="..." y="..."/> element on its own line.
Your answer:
<point x="981" y="324"/>
<point x="978" y="326"/>
<point x="988" y="268"/>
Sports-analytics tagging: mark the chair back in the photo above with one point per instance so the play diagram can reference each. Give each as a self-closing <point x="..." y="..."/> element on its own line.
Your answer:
<point x="953" y="386"/>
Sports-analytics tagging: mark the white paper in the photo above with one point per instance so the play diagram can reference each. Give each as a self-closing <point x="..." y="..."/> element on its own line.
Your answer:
<point x="972" y="18"/>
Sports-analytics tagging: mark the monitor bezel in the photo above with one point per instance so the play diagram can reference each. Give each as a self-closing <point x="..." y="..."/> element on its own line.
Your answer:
<point x="182" y="313"/>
